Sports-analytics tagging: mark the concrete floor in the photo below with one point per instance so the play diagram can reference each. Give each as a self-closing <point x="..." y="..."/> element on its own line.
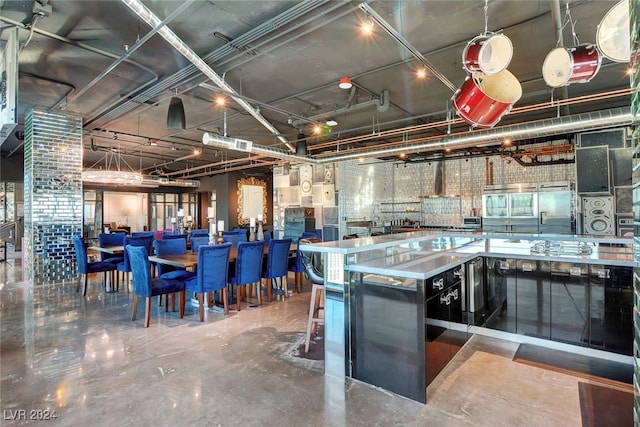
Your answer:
<point x="86" y="360"/>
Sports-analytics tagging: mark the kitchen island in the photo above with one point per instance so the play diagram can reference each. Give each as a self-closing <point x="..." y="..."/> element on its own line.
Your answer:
<point x="399" y="306"/>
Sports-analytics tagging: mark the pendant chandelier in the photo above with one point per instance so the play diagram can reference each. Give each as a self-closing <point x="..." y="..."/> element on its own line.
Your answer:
<point x="112" y="173"/>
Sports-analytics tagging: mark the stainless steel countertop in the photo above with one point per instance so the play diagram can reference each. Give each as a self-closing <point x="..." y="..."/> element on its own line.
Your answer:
<point x="421" y="254"/>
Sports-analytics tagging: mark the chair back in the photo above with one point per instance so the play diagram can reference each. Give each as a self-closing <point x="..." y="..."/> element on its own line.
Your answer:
<point x="198" y="241"/>
<point x="314" y="234"/>
<point x="169" y="247"/>
<point x="140" y="271"/>
<point x="109" y="239"/>
<point x="213" y="267"/>
<point x="81" y="254"/>
<point x="144" y="234"/>
<point x="278" y="258"/>
<point x="312" y="262"/>
<point x="134" y="241"/>
<point x="249" y="257"/>
<point x="169" y="235"/>
<point x="231" y="236"/>
<point x="267" y="236"/>
<point x="199" y="232"/>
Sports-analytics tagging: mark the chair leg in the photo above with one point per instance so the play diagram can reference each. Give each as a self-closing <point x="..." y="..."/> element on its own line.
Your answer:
<point x="173" y="302"/>
<point x="285" y="286"/>
<point x="201" y="304"/>
<point x="269" y="290"/>
<point x="147" y="315"/>
<point x="166" y="302"/>
<point x="298" y="279"/>
<point x="134" y="310"/>
<point x="238" y="298"/>
<point x="182" y="301"/>
<point x="84" y="286"/>
<point x="225" y="300"/>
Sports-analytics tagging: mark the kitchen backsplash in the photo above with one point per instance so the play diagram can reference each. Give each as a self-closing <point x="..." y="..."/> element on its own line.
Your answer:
<point x="380" y="192"/>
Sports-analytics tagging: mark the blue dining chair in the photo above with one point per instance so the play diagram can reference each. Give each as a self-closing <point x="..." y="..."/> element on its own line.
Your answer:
<point x="196" y="242"/>
<point x="171" y="235"/>
<point x="277" y="265"/>
<point x="199" y="232"/>
<point x="211" y="274"/>
<point x="295" y="263"/>
<point x="248" y="268"/>
<point x="267" y="236"/>
<point x="232" y="237"/>
<point x="151" y="234"/>
<point x="170" y="247"/>
<point x="85" y="267"/>
<point x="125" y="266"/>
<point x="145" y="286"/>
<point x="111" y="239"/>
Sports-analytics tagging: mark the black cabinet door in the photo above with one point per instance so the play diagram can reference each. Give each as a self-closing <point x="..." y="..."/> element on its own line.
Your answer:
<point x="533" y="305"/>
<point x="611" y="308"/>
<point x="500" y="290"/>
<point x="569" y="302"/>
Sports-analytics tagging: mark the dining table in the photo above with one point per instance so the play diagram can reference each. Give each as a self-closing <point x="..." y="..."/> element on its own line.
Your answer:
<point x="190" y="259"/>
<point x="111" y="250"/>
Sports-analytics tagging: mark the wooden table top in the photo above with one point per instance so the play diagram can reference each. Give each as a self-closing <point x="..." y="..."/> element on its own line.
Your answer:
<point x="113" y="250"/>
<point x="190" y="259"/>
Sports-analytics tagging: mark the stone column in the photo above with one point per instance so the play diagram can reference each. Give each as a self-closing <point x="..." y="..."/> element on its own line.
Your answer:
<point x="52" y="195"/>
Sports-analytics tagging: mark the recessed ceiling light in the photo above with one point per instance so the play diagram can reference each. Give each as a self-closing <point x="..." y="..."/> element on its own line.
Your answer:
<point x="331" y="122"/>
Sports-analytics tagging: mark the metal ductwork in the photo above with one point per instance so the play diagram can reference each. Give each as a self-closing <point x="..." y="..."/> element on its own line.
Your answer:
<point x="615" y="117"/>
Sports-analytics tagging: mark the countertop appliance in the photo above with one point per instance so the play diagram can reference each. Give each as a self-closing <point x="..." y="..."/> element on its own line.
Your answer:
<point x="557" y="208"/>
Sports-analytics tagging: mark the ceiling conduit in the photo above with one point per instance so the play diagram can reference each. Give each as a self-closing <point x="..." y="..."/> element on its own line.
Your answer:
<point x="382" y="104"/>
<point x="615" y="117"/>
<point x="147" y="16"/>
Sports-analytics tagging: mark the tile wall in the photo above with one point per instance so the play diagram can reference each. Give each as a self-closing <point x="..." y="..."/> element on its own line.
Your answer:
<point x="392" y="192"/>
<point x="53" y="195"/>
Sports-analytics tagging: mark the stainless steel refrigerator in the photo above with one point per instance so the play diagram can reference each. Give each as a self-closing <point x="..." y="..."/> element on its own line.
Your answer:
<point x="557" y="208"/>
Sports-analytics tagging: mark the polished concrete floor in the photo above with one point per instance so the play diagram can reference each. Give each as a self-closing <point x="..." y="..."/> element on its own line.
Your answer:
<point x="83" y="359"/>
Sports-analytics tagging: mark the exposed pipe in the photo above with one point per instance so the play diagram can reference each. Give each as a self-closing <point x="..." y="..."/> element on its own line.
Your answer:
<point x="382" y="104"/>
<point x="129" y="51"/>
<point x="190" y="72"/>
<point x="548" y="127"/>
<point x="150" y="18"/>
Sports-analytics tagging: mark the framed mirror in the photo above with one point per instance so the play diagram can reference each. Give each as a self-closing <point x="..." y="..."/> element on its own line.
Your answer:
<point x="252" y="200"/>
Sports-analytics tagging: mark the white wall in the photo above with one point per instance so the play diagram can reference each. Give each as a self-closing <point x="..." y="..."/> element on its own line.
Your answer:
<point x="126" y="209"/>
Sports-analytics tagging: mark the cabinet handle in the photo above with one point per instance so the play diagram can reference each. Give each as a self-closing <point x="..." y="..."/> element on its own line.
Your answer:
<point x="458" y="273"/>
<point x="574" y="271"/>
<point x="438" y="284"/>
<point x="445" y="299"/>
<point x="504" y="265"/>
<point x="603" y="273"/>
<point x="453" y="293"/>
<point x="526" y="266"/>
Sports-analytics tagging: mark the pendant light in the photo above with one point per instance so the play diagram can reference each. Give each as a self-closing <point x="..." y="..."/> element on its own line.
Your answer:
<point x="175" y="114"/>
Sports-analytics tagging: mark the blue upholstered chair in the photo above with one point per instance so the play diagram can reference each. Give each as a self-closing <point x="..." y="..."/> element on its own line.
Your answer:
<point x="111" y="239"/>
<point x="232" y="237"/>
<point x="170" y="247"/>
<point x="267" y="236"/>
<point x="85" y="267"/>
<point x="276" y="266"/>
<point x="125" y="265"/>
<point x="199" y="232"/>
<point x="313" y="234"/>
<point x="248" y="267"/>
<point x="196" y="242"/>
<point x="145" y="286"/>
<point x="295" y="264"/>
<point x="151" y="234"/>
<point x="167" y="235"/>
<point x="212" y="274"/>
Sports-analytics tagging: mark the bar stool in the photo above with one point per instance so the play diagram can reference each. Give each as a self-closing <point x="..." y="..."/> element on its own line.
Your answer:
<point x="314" y="271"/>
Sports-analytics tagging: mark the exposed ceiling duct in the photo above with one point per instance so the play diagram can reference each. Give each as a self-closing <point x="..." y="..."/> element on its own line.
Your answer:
<point x="150" y="18"/>
<point x="615" y="117"/>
